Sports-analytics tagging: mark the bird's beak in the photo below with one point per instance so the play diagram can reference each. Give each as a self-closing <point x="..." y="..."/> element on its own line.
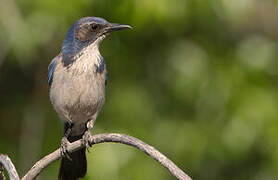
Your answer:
<point x="116" y="27"/>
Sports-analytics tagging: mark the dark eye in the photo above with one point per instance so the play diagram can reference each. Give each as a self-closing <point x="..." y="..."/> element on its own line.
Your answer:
<point x="94" y="26"/>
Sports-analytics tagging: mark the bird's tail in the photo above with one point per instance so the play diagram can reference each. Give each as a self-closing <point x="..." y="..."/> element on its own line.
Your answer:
<point x="76" y="167"/>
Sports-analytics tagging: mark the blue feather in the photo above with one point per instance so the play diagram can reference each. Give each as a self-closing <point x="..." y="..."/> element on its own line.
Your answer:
<point x="106" y="78"/>
<point x="51" y="69"/>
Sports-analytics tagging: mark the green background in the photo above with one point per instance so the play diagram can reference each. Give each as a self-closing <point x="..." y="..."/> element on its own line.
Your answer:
<point x="196" y="79"/>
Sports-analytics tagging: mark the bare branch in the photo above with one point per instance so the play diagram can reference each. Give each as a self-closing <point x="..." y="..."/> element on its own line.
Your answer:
<point x="2" y="175"/>
<point x="9" y="166"/>
<point x="111" y="137"/>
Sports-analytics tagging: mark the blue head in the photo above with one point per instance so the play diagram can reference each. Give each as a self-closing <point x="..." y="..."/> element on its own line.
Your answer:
<point x="84" y="32"/>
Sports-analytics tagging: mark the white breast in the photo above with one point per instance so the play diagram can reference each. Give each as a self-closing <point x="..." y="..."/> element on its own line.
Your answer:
<point x="78" y="91"/>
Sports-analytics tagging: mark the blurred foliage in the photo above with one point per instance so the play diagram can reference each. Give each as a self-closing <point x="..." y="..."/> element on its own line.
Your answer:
<point x="196" y="79"/>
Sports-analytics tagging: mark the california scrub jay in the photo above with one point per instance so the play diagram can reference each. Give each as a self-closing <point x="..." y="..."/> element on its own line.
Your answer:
<point x="76" y="79"/>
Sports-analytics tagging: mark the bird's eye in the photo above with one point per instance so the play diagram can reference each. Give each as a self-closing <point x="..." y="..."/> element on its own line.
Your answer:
<point x="94" y="26"/>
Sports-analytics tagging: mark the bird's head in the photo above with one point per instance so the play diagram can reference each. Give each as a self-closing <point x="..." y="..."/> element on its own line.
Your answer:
<point x="87" y="31"/>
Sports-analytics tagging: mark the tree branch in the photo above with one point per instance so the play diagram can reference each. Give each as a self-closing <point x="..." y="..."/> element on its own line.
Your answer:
<point x="9" y="166"/>
<point x="101" y="138"/>
<point x="2" y="175"/>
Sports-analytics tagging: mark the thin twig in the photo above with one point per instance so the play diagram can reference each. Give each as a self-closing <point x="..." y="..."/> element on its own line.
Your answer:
<point x="9" y="166"/>
<point x="111" y="137"/>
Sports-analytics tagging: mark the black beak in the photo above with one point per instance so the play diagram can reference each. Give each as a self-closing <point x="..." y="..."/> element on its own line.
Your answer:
<point x="116" y="27"/>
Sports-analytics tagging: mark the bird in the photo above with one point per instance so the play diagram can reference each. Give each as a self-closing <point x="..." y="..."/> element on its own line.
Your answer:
<point x="77" y="78"/>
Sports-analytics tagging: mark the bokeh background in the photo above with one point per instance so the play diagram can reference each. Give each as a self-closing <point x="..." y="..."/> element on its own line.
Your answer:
<point x="196" y="79"/>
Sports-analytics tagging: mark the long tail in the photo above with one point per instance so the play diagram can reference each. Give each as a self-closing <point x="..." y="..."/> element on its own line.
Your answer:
<point x="76" y="167"/>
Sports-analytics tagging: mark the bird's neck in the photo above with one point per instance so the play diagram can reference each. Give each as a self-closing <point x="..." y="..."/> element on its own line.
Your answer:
<point x="90" y="55"/>
<point x="87" y="60"/>
<point x="73" y="50"/>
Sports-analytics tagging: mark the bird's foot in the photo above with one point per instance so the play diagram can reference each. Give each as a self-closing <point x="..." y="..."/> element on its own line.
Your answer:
<point x="63" y="149"/>
<point x="86" y="139"/>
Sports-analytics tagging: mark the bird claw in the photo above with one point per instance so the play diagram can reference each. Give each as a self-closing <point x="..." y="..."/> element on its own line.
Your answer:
<point x="86" y="140"/>
<point x="63" y="149"/>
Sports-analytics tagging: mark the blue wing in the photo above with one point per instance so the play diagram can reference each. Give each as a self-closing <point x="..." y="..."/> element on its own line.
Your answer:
<point x="51" y="69"/>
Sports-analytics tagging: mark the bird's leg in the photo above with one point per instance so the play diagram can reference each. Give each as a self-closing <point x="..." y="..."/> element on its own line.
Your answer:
<point x="87" y="135"/>
<point x="65" y="141"/>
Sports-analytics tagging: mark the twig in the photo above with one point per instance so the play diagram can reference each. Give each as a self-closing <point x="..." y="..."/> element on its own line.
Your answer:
<point x="9" y="166"/>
